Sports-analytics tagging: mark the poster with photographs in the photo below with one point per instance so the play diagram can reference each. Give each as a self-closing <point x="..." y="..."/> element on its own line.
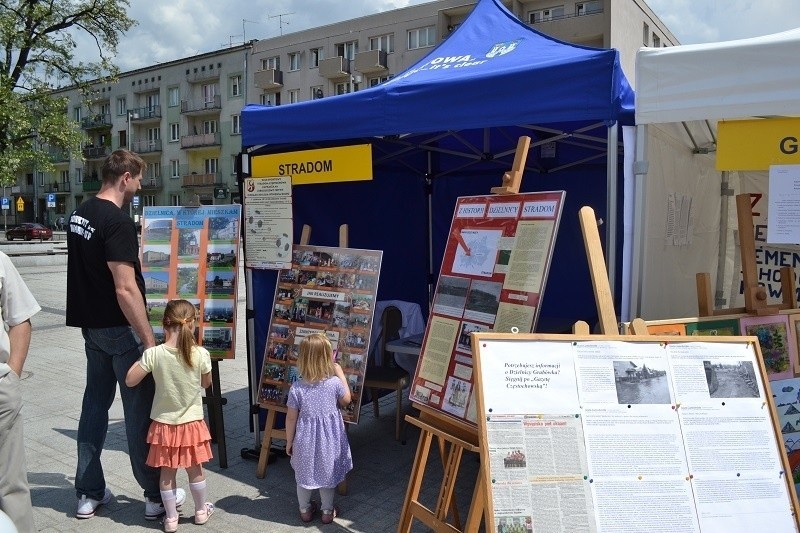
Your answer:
<point x="326" y="290"/>
<point x="492" y="278"/>
<point x="192" y="253"/>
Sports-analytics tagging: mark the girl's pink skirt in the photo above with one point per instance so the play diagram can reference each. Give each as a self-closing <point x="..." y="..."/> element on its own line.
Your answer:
<point x="178" y="446"/>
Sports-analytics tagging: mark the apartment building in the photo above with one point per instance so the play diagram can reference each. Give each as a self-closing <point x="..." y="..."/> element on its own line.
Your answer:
<point x="183" y="117"/>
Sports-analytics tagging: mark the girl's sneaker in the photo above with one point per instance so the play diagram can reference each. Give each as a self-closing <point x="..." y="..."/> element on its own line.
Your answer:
<point x="328" y="515"/>
<point x="202" y="516"/>
<point x="171" y="524"/>
<point x="308" y="514"/>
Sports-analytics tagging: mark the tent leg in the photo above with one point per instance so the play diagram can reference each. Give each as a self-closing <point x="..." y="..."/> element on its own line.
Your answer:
<point x="611" y="205"/>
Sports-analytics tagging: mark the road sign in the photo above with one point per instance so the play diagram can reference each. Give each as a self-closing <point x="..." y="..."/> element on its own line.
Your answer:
<point x="5" y="203"/>
<point x="51" y="200"/>
<point x="135" y="201"/>
<point x="20" y="204"/>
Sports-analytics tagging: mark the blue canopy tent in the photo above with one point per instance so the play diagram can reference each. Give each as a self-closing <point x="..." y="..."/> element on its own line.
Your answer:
<point x="446" y="127"/>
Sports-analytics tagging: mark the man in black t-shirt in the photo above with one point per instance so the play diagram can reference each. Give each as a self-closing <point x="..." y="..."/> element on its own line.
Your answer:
<point x="106" y="299"/>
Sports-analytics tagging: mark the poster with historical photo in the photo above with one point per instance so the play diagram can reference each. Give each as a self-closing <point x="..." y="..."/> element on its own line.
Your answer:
<point x="667" y="435"/>
<point x="268" y="222"/>
<point x="325" y="290"/>
<point x="492" y="278"/>
<point x="192" y="253"/>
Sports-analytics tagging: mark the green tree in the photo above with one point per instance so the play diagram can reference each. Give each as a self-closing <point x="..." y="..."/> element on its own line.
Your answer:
<point x="38" y="38"/>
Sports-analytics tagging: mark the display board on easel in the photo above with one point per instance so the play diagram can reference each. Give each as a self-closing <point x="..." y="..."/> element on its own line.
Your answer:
<point x="493" y="276"/>
<point x="614" y="433"/>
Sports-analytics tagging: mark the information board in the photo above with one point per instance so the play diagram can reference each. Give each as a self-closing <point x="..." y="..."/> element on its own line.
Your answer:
<point x="268" y="222"/>
<point x="618" y="434"/>
<point x="193" y="253"/>
<point x="492" y="279"/>
<point x="330" y="291"/>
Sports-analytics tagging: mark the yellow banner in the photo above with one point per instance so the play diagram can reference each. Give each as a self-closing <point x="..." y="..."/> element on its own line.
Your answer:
<point x="326" y="165"/>
<point x="757" y="144"/>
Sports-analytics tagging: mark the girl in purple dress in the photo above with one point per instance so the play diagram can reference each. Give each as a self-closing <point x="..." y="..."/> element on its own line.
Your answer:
<point x="315" y="436"/>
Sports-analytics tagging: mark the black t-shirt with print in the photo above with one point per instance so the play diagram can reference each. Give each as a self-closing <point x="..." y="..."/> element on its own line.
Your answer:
<point x="97" y="232"/>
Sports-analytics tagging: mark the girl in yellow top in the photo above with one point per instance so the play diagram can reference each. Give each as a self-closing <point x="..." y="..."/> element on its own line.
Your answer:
<point x="178" y="434"/>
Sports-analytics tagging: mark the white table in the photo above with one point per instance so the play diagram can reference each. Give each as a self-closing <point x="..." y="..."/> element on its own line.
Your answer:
<point x="406" y="352"/>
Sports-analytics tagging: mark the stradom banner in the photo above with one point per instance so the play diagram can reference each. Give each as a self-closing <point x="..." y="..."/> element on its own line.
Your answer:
<point x="325" y="165"/>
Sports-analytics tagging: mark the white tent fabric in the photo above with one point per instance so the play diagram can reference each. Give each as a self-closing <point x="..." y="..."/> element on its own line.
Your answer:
<point x="675" y="88"/>
<point x="733" y="79"/>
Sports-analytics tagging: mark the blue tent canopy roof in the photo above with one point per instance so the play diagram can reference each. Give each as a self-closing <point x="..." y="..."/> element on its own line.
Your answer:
<point x="492" y="71"/>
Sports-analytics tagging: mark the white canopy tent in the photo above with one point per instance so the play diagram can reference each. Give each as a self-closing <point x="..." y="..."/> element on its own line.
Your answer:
<point x="681" y="92"/>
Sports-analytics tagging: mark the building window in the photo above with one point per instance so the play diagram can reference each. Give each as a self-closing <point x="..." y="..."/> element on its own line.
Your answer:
<point x="543" y="15"/>
<point x="40" y="175"/>
<point x="174" y="169"/>
<point x="211" y="166"/>
<point x="236" y="125"/>
<point x="65" y="176"/>
<point x="421" y="37"/>
<point x="316" y="92"/>
<point x="149" y="200"/>
<point x="122" y="107"/>
<point x="270" y="99"/>
<point x="236" y="86"/>
<point x="376" y="81"/>
<point x="317" y="55"/>
<point x="175" y="199"/>
<point x="347" y="50"/>
<point x="294" y="96"/>
<point x="152" y="100"/>
<point x="646" y="34"/>
<point x="209" y="126"/>
<point x="271" y="63"/>
<point x="153" y="134"/>
<point x="294" y="61"/>
<point x="78" y="175"/>
<point x="382" y="42"/>
<point x="588" y="8"/>
<point x="656" y="41"/>
<point x="210" y="91"/>
<point x="173" y="96"/>
<point x="174" y="132"/>
<point x="76" y="113"/>
<point x="344" y="88"/>
<point x="153" y="171"/>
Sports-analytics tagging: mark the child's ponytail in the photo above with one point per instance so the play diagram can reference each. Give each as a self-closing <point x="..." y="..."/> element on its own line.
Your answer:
<point x="182" y="314"/>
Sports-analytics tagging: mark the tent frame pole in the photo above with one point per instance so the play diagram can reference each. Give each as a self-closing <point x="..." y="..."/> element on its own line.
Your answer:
<point x="611" y="204"/>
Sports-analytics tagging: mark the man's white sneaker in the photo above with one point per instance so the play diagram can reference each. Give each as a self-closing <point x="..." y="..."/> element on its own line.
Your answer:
<point x="88" y="506"/>
<point x="154" y="510"/>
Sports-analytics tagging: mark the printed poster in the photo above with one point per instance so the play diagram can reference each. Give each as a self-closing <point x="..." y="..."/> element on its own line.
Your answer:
<point x="268" y="222"/>
<point x="492" y="279"/>
<point x="192" y="253"/>
<point x="326" y="290"/>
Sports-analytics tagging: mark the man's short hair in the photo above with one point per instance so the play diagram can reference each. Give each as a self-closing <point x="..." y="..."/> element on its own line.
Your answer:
<point x="119" y="162"/>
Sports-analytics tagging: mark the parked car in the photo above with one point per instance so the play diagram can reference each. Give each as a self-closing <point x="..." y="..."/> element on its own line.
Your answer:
<point x="28" y="231"/>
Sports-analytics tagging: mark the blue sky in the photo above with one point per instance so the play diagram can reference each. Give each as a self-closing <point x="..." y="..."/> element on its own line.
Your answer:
<point x="182" y="28"/>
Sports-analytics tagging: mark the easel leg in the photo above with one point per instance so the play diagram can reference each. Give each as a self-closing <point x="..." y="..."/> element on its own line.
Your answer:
<point x="266" y="442"/>
<point x="215" y="401"/>
<point x="341" y="488"/>
<point x="478" y="504"/>
<point x="415" y="482"/>
<point x="448" y="478"/>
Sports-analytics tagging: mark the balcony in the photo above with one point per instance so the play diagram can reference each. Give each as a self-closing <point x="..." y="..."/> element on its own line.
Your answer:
<point x="334" y="67"/>
<point x="92" y="185"/>
<point x="268" y="79"/>
<point x="58" y="156"/>
<point x="201" y="141"/>
<point x="145" y="146"/>
<point x="62" y="187"/>
<point x="371" y="61"/>
<point x="199" y="75"/>
<point x="201" y="107"/>
<point x="146" y="85"/>
<point x="95" y="152"/>
<point x="151" y="183"/>
<point x="96" y="122"/>
<point x="142" y="115"/>
<point x="200" y="180"/>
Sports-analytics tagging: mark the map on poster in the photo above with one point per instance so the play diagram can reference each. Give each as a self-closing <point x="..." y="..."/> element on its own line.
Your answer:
<point x="330" y="291"/>
<point x="192" y="253"/>
<point x="492" y="279"/>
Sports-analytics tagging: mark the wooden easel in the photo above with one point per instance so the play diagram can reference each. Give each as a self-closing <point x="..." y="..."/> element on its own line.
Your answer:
<point x="453" y="436"/>
<point x="270" y="432"/>
<point x="755" y="296"/>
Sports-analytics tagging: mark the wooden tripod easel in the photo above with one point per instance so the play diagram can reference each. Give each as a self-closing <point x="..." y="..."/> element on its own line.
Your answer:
<point x="270" y="432"/>
<point x="453" y="437"/>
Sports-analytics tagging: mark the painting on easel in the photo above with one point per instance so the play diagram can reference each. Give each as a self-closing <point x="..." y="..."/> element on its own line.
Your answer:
<point x="778" y="346"/>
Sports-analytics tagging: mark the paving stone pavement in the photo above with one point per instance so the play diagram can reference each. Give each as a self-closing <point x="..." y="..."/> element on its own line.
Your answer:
<point x="53" y="384"/>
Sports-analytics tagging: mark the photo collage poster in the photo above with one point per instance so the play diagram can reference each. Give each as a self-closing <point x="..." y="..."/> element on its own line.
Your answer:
<point x="683" y="428"/>
<point x="492" y="278"/>
<point x="330" y="291"/>
<point x="192" y="253"/>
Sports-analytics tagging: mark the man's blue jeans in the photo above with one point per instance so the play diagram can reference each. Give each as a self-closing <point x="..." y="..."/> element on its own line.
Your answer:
<point x="110" y="352"/>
